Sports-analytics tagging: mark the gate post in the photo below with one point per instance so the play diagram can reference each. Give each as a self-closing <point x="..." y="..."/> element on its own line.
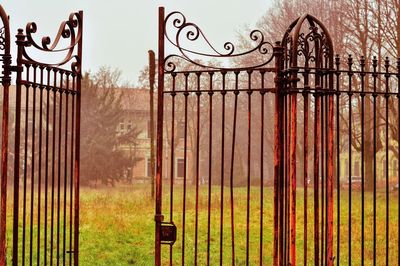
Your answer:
<point x="78" y="144"/>
<point x="6" y="80"/>
<point x="20" y="44"/>
<point x="278" y="154"/>
<point x="160" y="109"/>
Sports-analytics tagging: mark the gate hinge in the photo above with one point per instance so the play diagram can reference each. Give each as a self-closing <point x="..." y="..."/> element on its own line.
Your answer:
<point x="168" y="233"/>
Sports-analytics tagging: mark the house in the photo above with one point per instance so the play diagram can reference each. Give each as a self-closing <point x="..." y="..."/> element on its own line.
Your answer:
<point x="136" y="107"/>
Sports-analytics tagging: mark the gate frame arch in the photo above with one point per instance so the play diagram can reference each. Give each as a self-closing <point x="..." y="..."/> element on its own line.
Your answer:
<point x="295" y="45"/>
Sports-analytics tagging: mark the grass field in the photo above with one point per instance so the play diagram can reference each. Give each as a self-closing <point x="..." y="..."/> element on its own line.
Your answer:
<point x="117" y="227"/>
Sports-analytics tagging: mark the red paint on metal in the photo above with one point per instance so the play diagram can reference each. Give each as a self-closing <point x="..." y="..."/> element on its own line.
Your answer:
<point x="278" y="150"/>
<point x="6" y="80"/>
<point x="160" y="110"/>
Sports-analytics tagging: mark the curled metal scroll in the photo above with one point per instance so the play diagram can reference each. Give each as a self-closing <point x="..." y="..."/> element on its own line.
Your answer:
<point x="5" y="55"/>
<point x="187" y="31"/>
<point x="2" y="39"/>
<point x="316" y="52"/>
<point x="70" y="30"/>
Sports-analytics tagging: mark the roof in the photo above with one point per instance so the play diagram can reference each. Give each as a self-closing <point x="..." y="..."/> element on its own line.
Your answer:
<point x="136" y="99"/>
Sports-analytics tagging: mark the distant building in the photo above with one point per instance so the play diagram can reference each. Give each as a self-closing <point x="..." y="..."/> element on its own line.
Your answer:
<point x="136" y="106"/>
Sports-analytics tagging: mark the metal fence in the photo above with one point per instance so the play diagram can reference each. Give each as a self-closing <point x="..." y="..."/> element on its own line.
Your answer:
<point x="290" y="156"/>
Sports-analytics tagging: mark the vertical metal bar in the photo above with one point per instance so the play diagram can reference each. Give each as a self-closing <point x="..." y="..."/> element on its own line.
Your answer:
<point x="152" y="73"/>
<point x="330" y="173"/>
<point x="71" y="188"/>
<point x="60" y="118"/>
<point x="65" y="165"/>
<point x="198" y="93"/>
<point x="33" y="145"/>
<point x="284" y="203"/>
<point x="337" y="73"/>
<point x="20" y="43"/>
<point x="6" y="81"/>
<point x="221" y="228"/>
<point x="160" y="110"/>
<point x="76" y="171"/>
<point x="288" y="126"/>
<point x="53" y="157"/>
<point x="25" y="166"/>
<point x="41" y="87"/>
<point x="171" y="206"/>
<point x="362" y="74"/>
<point x="232" y="165"/>
<point x="249" y="92"/>
<point x="387" y="96"/>
<point x="48" y="69"/>
<point x="305" y="160"/>
<point x="305" y="170"/>
<point x="374" y="95"/>
<point x="278" y="154"/>
<point x="185" y="139"/>
<point x="262" y="92"/>
<point x="326" y="223"/>
<point x="322" y="176"/>
<point x="350" y="94"/>
<point x="317" y="135"/>
<point x="210" y="93"/>
<point x="292" y="169"/>
<point x="398" y="159"/>
<point x="77" y="146"/>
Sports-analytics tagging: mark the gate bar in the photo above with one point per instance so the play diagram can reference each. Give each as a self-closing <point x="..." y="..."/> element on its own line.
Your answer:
<point x="6" y="80"/>
<point x="160" y="109"/>
<point x="278" y="154"/>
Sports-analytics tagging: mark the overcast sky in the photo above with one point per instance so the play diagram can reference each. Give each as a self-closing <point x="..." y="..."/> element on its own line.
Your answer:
<point x="119" y="33"/>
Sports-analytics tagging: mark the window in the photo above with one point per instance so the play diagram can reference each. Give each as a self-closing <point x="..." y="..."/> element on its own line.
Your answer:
<point x="148" y="169"/>
<point x="181" y="130"/>
<point x="356" y="168"/>
<point x="149" y="129"/>
<point x="121" y="126"/>
<point x="180" y="168"/>
<point x="129" y="126"/>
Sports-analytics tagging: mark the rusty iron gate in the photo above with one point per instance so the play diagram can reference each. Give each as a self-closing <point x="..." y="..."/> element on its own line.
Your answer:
<point x="39" y="218"/>
<point x="277" y="155"/>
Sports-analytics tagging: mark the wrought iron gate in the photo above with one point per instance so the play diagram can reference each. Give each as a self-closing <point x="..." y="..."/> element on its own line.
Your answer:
<point x="245" y="152"/>
<point x="229" y="111"/>
<point x="42" y="115"/>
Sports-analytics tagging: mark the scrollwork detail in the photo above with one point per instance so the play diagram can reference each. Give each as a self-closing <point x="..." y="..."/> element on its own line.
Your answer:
<point x="2" y="39"/>
<point x="70" y="30"/>
<point x="185" y="31"/>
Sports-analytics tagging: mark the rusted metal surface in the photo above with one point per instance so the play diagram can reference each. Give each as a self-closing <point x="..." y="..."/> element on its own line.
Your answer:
<point x="278" y="155"/>
<point x="152" y="73"/>
<point x="5" y="80"/>
<point x="46" y="136"/>
<point x="160" y="117"/>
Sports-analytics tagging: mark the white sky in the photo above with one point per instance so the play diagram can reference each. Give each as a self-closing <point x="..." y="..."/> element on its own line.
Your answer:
<point x="119" y="33"/>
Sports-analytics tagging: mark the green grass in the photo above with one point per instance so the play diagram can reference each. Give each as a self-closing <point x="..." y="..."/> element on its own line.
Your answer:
<point x="117" y="226"/>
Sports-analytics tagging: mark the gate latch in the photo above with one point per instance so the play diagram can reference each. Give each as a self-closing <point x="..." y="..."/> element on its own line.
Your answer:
<point x="168" y="233"/>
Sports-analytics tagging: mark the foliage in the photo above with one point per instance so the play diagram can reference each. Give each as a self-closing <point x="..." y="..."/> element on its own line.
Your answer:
<point x="359" y="28"/>
<point x="102" y="160"/>
<point x="117" y="226"/>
